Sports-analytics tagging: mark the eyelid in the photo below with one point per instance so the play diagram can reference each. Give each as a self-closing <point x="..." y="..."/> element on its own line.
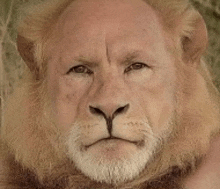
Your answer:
<point x="135" y="63"/>
<point x="72" y="69"/>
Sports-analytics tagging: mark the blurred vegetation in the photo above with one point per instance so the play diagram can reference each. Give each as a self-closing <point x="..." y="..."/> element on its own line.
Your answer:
<point x="210" y="9"/>
<point x="11" y="65"/>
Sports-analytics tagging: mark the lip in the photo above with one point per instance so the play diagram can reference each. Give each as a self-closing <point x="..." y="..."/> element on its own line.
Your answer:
<point x="137" y="143"/>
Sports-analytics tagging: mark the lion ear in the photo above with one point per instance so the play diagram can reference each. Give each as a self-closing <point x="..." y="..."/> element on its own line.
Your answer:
<point x="26" y="50"/>
<point x="196" y="44"/>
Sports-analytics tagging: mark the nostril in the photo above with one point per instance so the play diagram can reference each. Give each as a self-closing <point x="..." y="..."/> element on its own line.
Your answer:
<point x="94" y="110"/>
<point x="120" y="110"/>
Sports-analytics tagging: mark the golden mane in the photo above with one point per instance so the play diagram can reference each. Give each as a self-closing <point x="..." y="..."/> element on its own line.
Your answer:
<point x="33" y="140"/>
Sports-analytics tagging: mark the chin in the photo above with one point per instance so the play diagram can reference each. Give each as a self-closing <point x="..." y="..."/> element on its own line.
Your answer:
<point x="111" y="161"/>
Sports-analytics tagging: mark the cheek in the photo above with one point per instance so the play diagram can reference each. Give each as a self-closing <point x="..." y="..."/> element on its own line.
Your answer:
<point x="66" y="100"/>
<point x="157" y="98"/>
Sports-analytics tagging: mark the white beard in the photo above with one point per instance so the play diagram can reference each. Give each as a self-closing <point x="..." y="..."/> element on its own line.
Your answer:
<point x="110" y="171"/>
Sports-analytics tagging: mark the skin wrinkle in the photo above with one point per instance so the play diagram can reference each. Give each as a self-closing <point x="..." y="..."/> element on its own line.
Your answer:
<point x="107" y="52"/>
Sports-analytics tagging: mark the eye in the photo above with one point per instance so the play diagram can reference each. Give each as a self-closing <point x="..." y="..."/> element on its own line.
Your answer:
<point x="136" y="66"/>
<point x="81" y="69"/>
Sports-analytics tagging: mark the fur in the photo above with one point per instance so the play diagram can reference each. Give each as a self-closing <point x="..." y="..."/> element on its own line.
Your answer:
<point x="32" y="149"/>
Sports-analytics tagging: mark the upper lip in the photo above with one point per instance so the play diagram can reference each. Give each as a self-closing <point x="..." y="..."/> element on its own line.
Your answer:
<point x="112" y="138"/>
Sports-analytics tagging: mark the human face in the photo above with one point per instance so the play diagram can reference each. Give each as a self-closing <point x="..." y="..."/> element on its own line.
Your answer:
<point x="112" y="82"/>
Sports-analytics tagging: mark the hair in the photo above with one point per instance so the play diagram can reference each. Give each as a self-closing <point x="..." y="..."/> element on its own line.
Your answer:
<point x="34" y="140"/>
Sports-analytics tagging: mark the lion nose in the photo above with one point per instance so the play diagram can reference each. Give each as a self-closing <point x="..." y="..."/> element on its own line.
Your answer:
<point x="105" y="113"/>
<point x="109" y="116"/>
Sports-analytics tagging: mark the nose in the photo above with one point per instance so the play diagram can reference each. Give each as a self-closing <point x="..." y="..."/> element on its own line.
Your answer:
<point x="105" y="113"/>
<point x="109" y="113"/>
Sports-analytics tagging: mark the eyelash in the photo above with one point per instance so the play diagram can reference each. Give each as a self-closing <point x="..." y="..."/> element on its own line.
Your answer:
<point x="139" y="66"/>
<point x="85" y="70"/>
<point x="76" y="69"/>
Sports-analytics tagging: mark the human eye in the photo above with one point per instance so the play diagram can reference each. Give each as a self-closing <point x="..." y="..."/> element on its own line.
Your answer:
<point x="136" y="66"/>
<point x="80" y="69"/>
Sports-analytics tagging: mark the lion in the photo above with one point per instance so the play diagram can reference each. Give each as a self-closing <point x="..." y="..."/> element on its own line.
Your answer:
<point x="116" y="94"/>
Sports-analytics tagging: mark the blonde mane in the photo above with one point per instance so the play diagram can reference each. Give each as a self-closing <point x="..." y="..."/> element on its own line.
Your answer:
<point x="33" y="140"/>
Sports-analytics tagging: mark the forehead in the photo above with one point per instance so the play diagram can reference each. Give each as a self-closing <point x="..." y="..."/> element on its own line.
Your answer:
<point x="89" y="24"/>
<point x="109" y="11"/>
<point x="108" y="15"/>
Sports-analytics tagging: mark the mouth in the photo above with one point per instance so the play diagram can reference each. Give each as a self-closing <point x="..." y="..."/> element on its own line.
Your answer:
<point x="116" y="139"/>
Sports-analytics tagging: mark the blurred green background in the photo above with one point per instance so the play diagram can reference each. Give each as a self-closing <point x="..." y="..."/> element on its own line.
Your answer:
<point x="11" y="65"/>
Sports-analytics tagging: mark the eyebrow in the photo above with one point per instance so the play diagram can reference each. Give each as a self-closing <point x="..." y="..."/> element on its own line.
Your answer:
<point x="87" y="61"/>
<point x="134" y="56"/>
<point x="130" y="57"/>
